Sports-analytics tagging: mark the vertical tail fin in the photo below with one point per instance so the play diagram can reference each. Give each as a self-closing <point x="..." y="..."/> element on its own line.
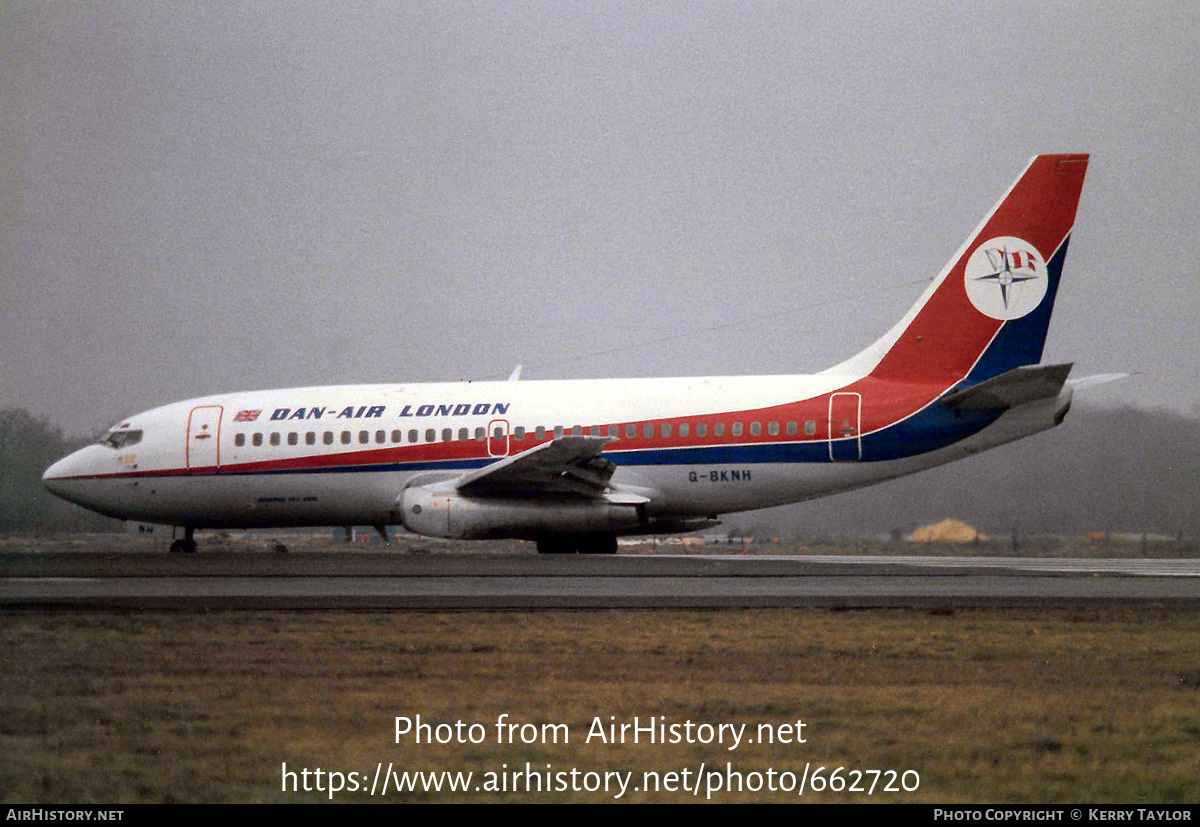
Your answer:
<point x="989" y="309"/>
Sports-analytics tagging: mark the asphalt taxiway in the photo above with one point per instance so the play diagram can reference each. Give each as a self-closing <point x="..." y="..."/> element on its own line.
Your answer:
<point x="468" y="580"/>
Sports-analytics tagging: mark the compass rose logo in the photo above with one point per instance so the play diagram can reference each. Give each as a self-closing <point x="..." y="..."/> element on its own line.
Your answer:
<point x="1005" y="278"/>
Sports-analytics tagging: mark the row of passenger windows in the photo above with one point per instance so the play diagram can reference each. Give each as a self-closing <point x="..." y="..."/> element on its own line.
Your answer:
<point x="648" y="431"/>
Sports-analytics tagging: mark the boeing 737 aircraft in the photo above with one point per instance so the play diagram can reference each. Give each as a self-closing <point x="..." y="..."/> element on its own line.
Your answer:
<point x="574" y="464"/>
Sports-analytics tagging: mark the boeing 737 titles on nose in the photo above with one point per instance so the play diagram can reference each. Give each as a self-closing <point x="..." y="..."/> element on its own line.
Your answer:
<point x="574" y="464"/>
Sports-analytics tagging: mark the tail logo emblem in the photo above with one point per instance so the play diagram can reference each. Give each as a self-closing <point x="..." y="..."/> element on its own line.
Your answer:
<point x="1006" y="278"/>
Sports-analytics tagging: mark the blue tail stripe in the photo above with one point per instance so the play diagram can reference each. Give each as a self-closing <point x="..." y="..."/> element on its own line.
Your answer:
<point x="1020" y="341"/>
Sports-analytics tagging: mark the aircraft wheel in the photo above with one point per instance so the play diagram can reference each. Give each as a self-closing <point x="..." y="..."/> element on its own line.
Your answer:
<point x="598" y="544"/>
<point x="555" y="544"/>
<point x="183" y="547"/>
<point x="279" y="548"/>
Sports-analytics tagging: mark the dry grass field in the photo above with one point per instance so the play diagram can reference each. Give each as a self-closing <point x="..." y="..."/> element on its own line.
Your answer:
<point x="987" y="706"/>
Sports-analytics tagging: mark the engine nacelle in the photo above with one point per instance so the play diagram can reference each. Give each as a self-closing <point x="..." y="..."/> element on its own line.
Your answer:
<point x="447" y="513"/>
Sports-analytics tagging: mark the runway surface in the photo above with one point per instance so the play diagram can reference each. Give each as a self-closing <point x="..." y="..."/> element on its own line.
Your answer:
<point x="470" y="580"/>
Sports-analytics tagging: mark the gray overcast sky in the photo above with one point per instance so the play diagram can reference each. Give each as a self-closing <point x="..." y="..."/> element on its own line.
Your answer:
<point x="203" y="197"/>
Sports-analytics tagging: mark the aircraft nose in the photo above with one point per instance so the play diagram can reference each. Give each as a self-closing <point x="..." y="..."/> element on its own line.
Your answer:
<point x="56" y="477"/>
<point x="85" y="478"/>
<point x="52" y="478"/>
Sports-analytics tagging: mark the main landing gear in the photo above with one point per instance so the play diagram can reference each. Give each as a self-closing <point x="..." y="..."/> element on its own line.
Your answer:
<point x="577" y="544"/>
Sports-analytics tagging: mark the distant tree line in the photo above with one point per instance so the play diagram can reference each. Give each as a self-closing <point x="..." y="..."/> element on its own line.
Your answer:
<point x="1108" y="470"/>
<point x="28" y="446"/>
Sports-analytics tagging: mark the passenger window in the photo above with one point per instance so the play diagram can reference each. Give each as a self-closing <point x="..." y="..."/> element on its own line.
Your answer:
<point x="540" y="433"/>
<point x="447" y="434"/>
<point x="397" y="436"/>
<point x="810" y="427"/>
<point x="519" y="432"/>
<point x="630" y="431"/>
<point x="310" y="438"/>
<point x="430" y="435"/>
<point x="257" y="439"/>
<point x="613" y="431"/>
<point x="413" y="436"/>
<point x="702" y="429"/>
<point x="595" y="430"/>
<point x="666" y="429"/>
<point x="773" y="429"/>
<point x="755" y="428"/>
<point x="737" y="429"/>
<point x="683" y="429"/>
<point x="275" y="438"/>
<point x="558" y="431"/>
<point x="364" y="437"/>
<point x="481" y="433"/>
<point x="498" y="432"/>
<point x="648" y="431"/>
<point x="791" y="427"/>
<point x="463" y="434"/>
<point x="293" y="438"/>
<point x="239" y="440"/>
<point x="346" y="437"/>
<point x="329" y="437"/>
<point x="719" y="429"/>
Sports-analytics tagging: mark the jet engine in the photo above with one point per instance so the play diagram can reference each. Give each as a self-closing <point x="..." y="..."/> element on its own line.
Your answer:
<point x="435" y="512"/>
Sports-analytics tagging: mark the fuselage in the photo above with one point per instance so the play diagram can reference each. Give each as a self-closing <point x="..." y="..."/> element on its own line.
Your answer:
<point x="341" y="455"/>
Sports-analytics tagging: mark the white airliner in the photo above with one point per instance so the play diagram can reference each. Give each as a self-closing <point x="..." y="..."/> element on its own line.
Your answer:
<point x="574" y="464"/>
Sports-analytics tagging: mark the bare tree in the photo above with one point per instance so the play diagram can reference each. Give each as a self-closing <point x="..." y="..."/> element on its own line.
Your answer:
<point x="28" y="446"/>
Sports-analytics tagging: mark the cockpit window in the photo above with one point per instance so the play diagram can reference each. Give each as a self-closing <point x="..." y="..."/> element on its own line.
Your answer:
<point x="121" y="439"/>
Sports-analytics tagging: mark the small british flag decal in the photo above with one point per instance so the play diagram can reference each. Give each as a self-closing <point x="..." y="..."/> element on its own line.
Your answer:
<point x="246" y="416"/>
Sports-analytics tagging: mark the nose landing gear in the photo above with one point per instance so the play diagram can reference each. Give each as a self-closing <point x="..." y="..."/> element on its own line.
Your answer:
<point x="187" y="545"/>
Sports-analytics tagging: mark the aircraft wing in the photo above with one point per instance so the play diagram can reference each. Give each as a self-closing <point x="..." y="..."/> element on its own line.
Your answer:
<point x="567" y="465"/>
<point x="1011" y="388"/>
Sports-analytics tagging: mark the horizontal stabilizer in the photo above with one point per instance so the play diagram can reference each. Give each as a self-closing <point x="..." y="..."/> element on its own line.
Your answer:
<point x="1097" y="379"/>
<point x="567" y="465"/>
<point x="1011" y="388"/>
